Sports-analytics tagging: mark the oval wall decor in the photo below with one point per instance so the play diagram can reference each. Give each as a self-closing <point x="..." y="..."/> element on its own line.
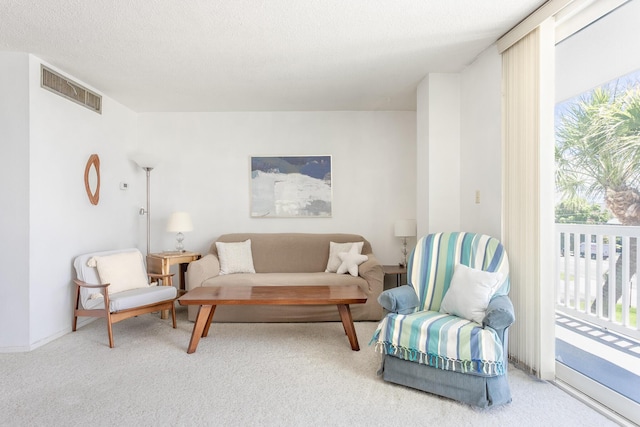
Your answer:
<point x="92" y="179"/>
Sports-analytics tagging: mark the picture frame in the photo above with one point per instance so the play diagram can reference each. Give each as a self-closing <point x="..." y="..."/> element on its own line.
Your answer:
<point x="291" y="186"/>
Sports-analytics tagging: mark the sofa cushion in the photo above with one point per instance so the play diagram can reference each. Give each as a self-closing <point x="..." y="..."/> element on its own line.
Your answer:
<point x="235" y="257"/>
<point x="335" y="249"/>
<point x="350" y="261"/>
<point x="123" y="271"/>
<point x="470" y="292"/>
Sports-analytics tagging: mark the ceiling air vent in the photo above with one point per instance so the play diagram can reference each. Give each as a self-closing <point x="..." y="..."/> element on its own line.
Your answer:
<point x="71" y="90"/>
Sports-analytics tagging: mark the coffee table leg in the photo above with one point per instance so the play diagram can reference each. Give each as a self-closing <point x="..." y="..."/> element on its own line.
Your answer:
<point x="347" y="323"/>
<point x="208" y="325"/>
<point x="198" y="328"/>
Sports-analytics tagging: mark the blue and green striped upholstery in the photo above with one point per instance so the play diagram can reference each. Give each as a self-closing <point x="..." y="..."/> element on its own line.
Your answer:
<point x="431" y="263"/>
<point x="439" y="339"/>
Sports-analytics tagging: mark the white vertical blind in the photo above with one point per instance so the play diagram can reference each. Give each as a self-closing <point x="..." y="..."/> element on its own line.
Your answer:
<point x="526" y="126"/>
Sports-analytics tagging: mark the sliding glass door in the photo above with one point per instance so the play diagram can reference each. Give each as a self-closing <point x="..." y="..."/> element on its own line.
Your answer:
<point x="597" y="212"/>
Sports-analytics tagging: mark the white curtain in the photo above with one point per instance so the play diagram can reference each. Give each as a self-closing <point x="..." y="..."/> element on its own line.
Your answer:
<point x="527" y="105"/>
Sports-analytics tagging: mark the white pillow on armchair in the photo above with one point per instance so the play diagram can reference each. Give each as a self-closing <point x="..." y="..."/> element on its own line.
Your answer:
<point x="469" y="293"/>
<point x="123" y="271"/>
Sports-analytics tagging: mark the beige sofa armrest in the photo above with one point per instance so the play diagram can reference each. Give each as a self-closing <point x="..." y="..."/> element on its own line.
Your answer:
<point x="198" y="271"/>
<point x="372" y="272"/>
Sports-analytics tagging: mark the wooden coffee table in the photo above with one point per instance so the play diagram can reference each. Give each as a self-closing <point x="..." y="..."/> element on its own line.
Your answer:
<point x="209" y="297"/>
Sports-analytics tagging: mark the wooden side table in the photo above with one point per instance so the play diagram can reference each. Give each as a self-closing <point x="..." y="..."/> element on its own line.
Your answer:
<point x="397" y="270"/>
<point x="161" y="263"/>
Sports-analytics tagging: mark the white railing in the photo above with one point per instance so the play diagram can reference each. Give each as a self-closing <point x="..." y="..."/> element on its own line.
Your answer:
<point x="595" y="261"/>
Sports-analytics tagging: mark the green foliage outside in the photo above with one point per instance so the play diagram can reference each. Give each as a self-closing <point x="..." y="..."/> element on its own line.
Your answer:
<point x="597" y="156"/>
<point x="579" y="211"/>
<point x="598" y="150"/>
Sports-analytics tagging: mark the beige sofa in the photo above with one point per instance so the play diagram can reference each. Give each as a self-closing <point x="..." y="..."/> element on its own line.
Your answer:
<point x="289" y="259"/>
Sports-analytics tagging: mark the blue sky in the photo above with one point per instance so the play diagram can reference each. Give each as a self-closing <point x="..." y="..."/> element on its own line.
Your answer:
<point x="618" y="84"/>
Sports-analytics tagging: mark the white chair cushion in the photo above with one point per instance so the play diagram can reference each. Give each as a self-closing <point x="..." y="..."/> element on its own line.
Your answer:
<point x="123" y="271"/>
<point x="134" y="298"/>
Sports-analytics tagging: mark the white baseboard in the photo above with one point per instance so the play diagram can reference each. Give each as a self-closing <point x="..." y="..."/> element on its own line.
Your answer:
<point x="34" y="345"/>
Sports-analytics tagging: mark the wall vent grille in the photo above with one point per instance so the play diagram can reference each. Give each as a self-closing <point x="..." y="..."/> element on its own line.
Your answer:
<point x="71" y="90"/>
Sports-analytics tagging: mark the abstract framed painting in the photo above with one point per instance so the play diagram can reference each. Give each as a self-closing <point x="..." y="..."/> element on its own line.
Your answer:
<point x="291" y="187"/>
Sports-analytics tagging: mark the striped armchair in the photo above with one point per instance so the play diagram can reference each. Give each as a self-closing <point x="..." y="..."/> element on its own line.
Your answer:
<point x="426" y="347"/>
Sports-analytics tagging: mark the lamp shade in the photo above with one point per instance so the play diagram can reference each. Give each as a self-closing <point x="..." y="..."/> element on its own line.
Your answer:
<point x="179" y="222"/>
<point x="405" y="228"/>
<point x="145" y="160"/>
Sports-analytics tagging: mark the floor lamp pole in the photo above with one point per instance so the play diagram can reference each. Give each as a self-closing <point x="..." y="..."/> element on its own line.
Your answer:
<point x="148" y="170"/>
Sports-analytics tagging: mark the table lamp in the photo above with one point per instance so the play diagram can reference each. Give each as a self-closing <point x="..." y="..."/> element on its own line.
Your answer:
<point x="404" y="228"/>
<point x="179" y="222"/>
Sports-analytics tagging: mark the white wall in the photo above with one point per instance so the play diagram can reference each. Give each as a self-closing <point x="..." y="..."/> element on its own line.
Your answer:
<point x="422" y="157"/>
<point x="14" y="200"/>
<point x="599" y="53"/>
<point x="205" y="171"/>
<point x="481" y="144"/>
<point x="61" y="221"/>
<point x="459" y="146"/>
<point x="438" y="121"/>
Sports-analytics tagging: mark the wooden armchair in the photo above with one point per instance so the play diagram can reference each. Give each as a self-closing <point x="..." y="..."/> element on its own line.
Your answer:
<point x="115" y="285"/>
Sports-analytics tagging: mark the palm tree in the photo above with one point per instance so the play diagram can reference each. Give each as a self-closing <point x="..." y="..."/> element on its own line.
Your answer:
<point x="598" y="156"/>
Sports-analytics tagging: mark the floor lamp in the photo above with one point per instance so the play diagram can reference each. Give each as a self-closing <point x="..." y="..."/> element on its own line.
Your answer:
<point x="147" y="163"/>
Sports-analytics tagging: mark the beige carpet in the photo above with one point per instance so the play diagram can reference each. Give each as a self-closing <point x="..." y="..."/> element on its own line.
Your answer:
<point x="243" y="374"/>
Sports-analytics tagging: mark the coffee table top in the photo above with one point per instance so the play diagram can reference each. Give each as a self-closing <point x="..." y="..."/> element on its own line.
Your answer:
<point x="274" y="295"/>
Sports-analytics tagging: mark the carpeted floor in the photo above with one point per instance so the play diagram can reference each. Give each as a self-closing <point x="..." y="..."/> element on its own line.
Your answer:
<point x="243" y="375"/>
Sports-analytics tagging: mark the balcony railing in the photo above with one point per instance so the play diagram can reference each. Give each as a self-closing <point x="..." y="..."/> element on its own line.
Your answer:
<point x="595" y="262"/>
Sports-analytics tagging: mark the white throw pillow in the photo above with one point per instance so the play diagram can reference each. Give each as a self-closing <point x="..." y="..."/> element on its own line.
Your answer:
<point x="350" y="261"/>
<point x="335" y="249"/>
<point x="470" y="292"/>
<point x="123" y="271"/>
<point x="235" y="257"/>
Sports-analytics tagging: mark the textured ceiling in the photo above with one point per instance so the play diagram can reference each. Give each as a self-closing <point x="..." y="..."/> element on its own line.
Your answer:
<point x="253" y="55"/>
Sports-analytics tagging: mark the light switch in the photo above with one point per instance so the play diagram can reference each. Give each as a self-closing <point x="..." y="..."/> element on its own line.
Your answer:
<point x="477" y="196"/>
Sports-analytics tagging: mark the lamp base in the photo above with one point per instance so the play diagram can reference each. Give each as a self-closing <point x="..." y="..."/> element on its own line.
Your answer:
<point x="403" y="262"/>
<point x="179" y="245"/>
